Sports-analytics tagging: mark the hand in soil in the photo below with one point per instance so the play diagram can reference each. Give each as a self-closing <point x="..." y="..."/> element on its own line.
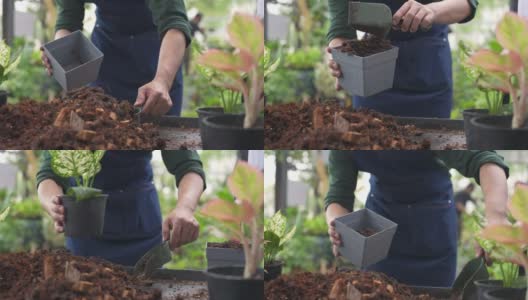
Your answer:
<point x="154" y="98"/>
<point x="180" y="228"/>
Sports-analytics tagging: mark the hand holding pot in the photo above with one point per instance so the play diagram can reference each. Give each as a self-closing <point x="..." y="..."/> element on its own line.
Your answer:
<point x="180" y="227"/>
<point x="46" y="62"/>
<point x="335" y="70"/>
<point x="154" y="98"/>
<point x="335" y="238"/>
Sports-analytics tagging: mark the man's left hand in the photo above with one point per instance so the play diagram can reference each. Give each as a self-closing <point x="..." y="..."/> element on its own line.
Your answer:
<point x="154" y="98"/>
<point x="180" y="227"/>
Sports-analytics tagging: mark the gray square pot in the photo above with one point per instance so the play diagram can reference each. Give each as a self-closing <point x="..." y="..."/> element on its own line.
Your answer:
<point x="224" y="257"/>
<point x="366" y="76"/>
<point x="75" y="60"/>
<point x="358" y="249"/>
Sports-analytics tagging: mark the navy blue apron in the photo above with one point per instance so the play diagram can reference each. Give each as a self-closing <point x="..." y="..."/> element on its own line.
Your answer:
<point x="132" y="223"/>
<point x="126" y="34"/>
<point x="423" y="83"/>
<point x="411" y="189"/>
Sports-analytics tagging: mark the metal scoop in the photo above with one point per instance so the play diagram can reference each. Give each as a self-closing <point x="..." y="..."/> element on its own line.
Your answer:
<point x="154" y="259"/>
<point x="372" y="18"/>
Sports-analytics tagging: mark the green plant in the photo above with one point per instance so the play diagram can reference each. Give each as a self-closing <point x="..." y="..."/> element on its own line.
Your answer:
<point x="507" y="70"/>
<point x="27" y="209"/>
<point x="275" y="236"/>
<point x="303" y="59"/>
<point x="242" y="218"/>
<point x="240" y="68"/>
<point x="4" y="214"/>
<point x="8" y="61"/>
<point x="316" y="225"/>
<point x="82" y="166"/>
<point x="513" y="237"/>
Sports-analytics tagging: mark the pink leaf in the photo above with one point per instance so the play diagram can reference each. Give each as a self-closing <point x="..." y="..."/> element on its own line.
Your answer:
<point x="247" y="183"/>
<point x="224" y="61"/>
<point x="512" y="34"/>
<point x="519" y="203"/>
<point x="226" y="211"/>
<point x="246" y="33"/>
<point x="505" y="234"/>
<point x="494" y="62"/>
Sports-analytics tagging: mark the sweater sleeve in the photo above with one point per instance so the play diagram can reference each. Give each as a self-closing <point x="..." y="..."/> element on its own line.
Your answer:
<point x="45" y="172"/>
<point x="473" y="6"/>
<point x="170" y="14"/>
<point x="468" y="163"/>
<point x="70" y="14"/>
<point x="343" y="179"/>
<point x="339" y="28"/>
<point x="181" y="162"/>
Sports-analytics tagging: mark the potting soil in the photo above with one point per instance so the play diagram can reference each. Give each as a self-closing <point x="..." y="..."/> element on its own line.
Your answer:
<point x="59" y="275"/>
<point x="365" y="47"/>
<point x="338" y="286"/>
<point x="310" y="125"/>
<point x="85" y="118"/>
<point x="226" y="245"/>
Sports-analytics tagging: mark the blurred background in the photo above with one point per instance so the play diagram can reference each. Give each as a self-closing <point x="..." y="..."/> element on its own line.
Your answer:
<point x="296" y="183"/>
<point x="27" y="24"/>
<point x="296" y="31"/>
<point x="28" y="228"/>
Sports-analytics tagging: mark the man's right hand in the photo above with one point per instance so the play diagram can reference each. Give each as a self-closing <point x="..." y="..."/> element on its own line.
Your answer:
<point x="335" y="70"/>
<point x="46" y="62"/>
<point x="335" y="238"/>
<point x="49" y="193"/>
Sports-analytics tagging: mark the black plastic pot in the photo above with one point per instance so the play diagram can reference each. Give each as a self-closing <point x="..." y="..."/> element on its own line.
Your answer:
<point x="495" y="132"/>
<point x="84" y="218"/>
<point x="228" y="283"/>
<point x="224" y="257"/>
<point x="486" y="285"/>
<point x="226" y="132"/>
<point x="506" y="294"/>
<point x="204" y="112"/>
<point x="3" y="97"/>
<point x="273" y="270"/>
<point x="469" y="114"/>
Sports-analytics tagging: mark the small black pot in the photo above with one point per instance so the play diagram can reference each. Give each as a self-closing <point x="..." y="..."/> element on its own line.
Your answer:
<point x="226" y="132"/>
<point x="204" y="112"/>
<point x="469" y="114"/>
<point x="228" y="283"/>
<point x="495" y="132"/>
<point x="84" y="218"/>
<point x="506" y="294"/>
<point x="273" y="270"/>
<point x="3" y="97"/>
<point x="486" y="285"/>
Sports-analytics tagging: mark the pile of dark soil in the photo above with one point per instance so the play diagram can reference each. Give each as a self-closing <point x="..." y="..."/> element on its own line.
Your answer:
<point x="85" y="118"/>
<point x="59" y="275"/>
<point x="329" y="126"/>
<point x="365" y="47"/>
<point x="226" y="245"/>
<point x="338" y="286"/>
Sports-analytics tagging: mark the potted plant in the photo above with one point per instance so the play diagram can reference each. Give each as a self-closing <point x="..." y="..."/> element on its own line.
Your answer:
<point x="230" y="253"/>
<point x="275" y="236"/>
<point x="242" y="219"/>
<point x="505" y="71"/>
<point x="84" y="206"/>
<point x="241" y="70"/>
<point x="513" y="239"/>
<point x="366" y="236"/>
<point x="8" y="62"/>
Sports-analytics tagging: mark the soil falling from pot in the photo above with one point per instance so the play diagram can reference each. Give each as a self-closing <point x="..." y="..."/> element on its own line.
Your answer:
<point x="365" y="47"/>
<point x="85" y="118"/>
<point x="328" y="126"/>
<point x="354" y="284"/>
<point x="60" y="275"/>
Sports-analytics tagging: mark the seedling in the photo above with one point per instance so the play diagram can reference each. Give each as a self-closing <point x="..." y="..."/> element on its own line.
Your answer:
<point x="82" y="166"/>
<point x="242" y="218"/>
<point x="513" y="237"/>
<point x="506" y="71"/>
<point x="241" y="69"/>
<point x="8" y="61"/>
<point x="275" y="236"/>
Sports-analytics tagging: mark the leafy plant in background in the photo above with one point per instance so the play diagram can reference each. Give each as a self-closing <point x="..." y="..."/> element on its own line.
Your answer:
<point x="481" y="78"/>
<point x="513" y="237"/>
<point x="8" y="61"/>
<point x="507" y="71"/>
<point x="240" y="68"/>
<point x="4" y="214"/>
<point x="82" y="166"/>
<point x="26" y="209"/>
<point x="242" y="218"/>
<point x="275" y="236"/>
<point x="303" y="59"/>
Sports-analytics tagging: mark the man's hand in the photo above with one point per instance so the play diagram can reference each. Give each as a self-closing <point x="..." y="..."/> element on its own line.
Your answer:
<point x="49" y="192"/>
<point x="412" y="16"/>
<point x="154" y="98"/>
<point x="180" y="227"/>
<point x="335" y="238"/>
<point x="335" y="70"/>
<point x="46" y="62"/>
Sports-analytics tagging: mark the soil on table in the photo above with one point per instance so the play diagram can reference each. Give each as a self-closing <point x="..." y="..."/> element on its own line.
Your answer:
<point x="328" y="126"/>
<point x="365" y="47"/>
<point x="59" y="275"/>
<point x="338" y="286"/>
<point x="366" y="232"/>
<point x="85" y="118"/>
<point x="226" y="245"/>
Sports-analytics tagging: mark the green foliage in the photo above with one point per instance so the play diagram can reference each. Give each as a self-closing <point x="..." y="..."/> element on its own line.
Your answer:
<point x="26" y="209"/>
<point x="303" y="59"/>
<point x="275" y="236"/>
<point x="316" y="225"/>
<point x="4" y="214"/>
<point x="82" y="165"/>
<point x="8" y="61"/>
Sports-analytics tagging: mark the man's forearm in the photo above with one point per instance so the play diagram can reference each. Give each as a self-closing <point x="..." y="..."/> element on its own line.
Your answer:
<point x="48" y="188"/>
<point x="495" y="189"/>
<point x="189" y="191"/>
<point x="171" y="56"/>
<point x="450" y="11"/>
<point x="61" y="33"/>
<point x="335" y="210"/>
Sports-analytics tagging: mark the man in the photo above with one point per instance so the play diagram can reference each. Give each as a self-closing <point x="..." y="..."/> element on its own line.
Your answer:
<point x="461" y="199"/>
<point x="423" y="84"/>
<point x="413" y="189"/>
<point x="195" y="24"/>
<point x="132" y="223"/>
<point x="143" y="42"/>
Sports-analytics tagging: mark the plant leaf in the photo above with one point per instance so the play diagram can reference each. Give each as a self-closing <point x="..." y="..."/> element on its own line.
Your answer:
<point x="224" y="61"/>
<point x="519" y="203"/>
<point x="505" y="234"/>
<point x="225" y="211"/>
<point x="247" y="183"/>
<point x="512" y="34"/>
<point x="246" y="33"/>
<point x="4" y="214"/>
<point x="81" y="193"/>
<point x="494" y="62"/>
<point x="5" y="54"/>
